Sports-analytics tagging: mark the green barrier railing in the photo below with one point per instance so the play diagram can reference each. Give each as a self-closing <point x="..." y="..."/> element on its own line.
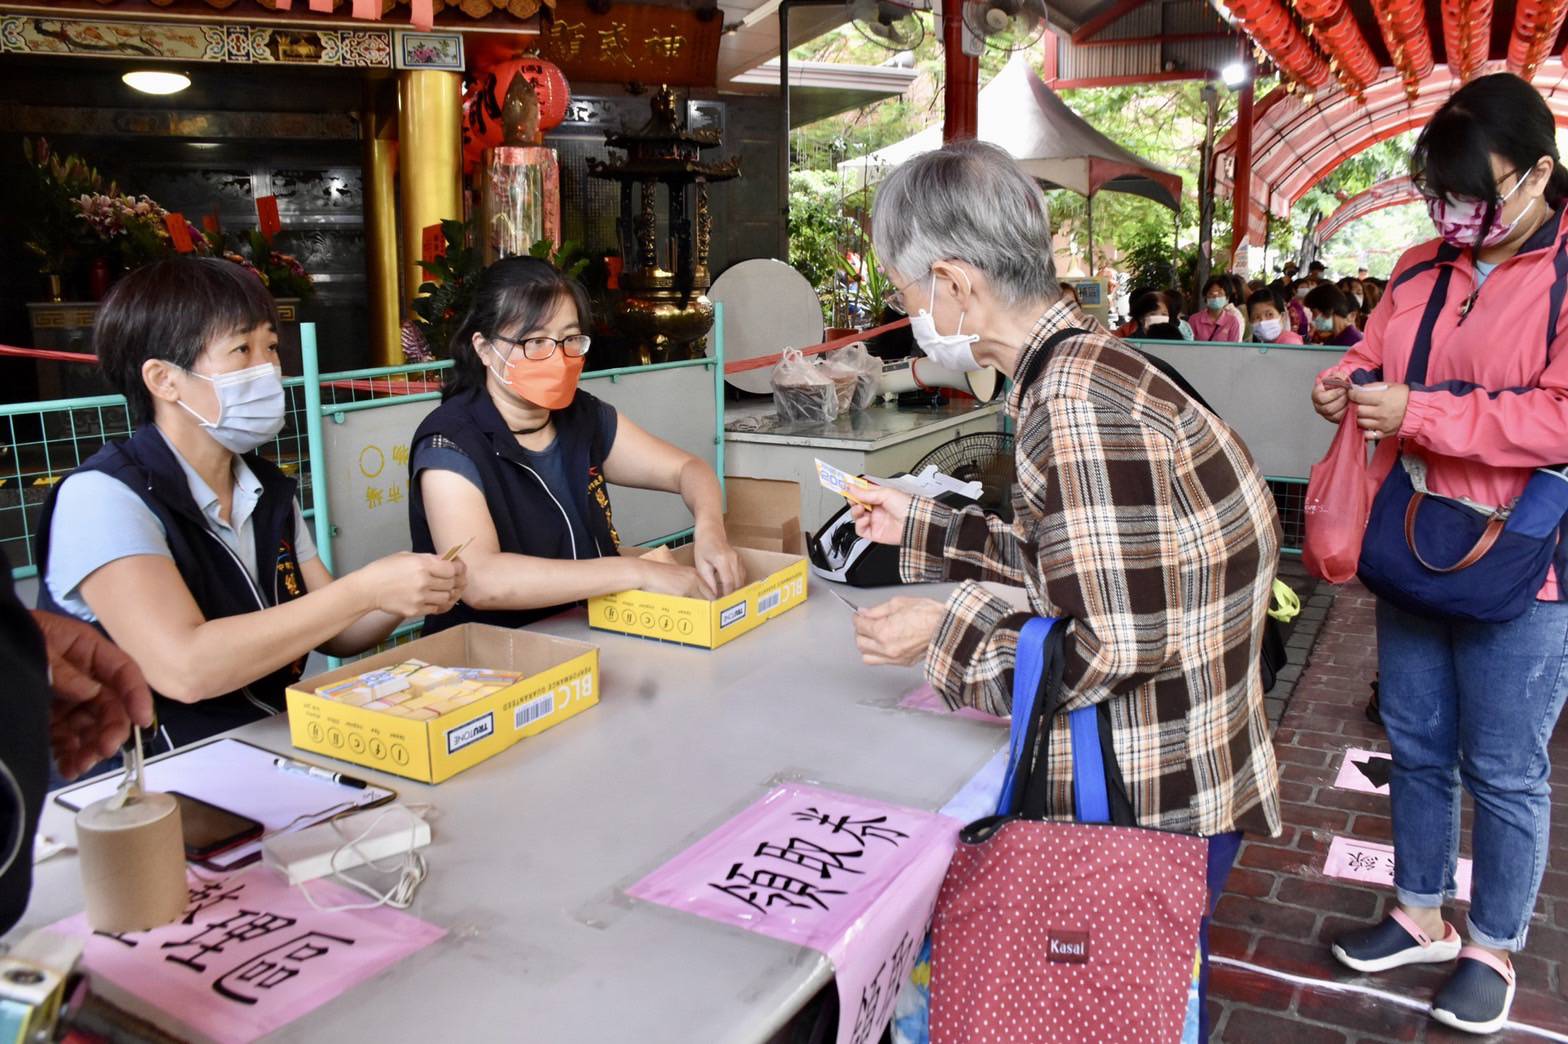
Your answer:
<point x="43" y="442"/>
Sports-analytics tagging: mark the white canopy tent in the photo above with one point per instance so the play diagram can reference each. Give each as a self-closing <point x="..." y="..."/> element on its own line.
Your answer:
<point x="1019" y="113"/>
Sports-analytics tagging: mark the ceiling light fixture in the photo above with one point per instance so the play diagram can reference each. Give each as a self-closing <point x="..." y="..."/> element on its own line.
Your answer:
<point x="156" y="81"/>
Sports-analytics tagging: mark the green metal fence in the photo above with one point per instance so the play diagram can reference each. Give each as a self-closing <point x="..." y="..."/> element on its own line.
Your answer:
<point x="43" y="442"/>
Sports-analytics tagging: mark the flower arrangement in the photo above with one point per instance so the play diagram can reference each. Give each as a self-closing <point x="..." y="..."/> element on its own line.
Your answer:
<point x="74" y="221"/>
<point x="281" y="273"/>
<point x="47" y="205"/>
<point x="135" y="227"/>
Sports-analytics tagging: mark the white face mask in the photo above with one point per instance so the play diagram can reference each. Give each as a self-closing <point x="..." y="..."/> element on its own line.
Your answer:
<point x="250" y="407"/>
<point x="950" y="351"/>
<point x="1268" y="329"/>
<point x="1155" y="320"/>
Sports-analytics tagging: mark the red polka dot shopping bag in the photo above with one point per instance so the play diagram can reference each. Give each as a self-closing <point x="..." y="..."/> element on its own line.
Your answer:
<point x="1059" y="932"/>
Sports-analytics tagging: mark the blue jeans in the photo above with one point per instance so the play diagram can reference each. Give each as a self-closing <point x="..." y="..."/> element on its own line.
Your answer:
<point x="1474" y="704"/>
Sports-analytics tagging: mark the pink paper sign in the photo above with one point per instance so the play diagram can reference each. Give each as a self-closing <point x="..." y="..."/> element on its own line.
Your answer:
<point x="925" y="699"/>
<point x="251" y="954"/>
<point x="1372" y="863"/>
<point x="852" y="878"/>
<point x="1364" y="770"/>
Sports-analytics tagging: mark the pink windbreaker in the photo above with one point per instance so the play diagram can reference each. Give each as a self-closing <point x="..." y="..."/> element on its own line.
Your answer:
<point x="1494" y="404"/>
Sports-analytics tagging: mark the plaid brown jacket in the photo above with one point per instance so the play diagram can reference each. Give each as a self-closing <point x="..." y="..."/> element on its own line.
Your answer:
<point x="1141" y="517"/>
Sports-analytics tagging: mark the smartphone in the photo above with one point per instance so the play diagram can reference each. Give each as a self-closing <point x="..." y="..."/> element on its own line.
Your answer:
<point x="209" y="829"/>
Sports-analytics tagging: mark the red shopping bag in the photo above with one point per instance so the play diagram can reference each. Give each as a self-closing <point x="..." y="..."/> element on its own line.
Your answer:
<point x="1056" y="932"/>
<point x="1339" y="498"/>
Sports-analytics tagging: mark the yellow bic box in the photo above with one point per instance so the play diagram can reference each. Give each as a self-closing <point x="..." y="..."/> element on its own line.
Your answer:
<point x="781" y="586"/>
<point x="763" y="524"/>
<point x="560" y="678"/>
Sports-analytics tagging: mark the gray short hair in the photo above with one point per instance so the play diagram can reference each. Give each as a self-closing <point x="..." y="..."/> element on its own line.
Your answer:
<point x="968" y="201"/>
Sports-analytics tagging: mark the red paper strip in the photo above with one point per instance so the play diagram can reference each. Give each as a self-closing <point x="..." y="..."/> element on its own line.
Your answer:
<point x="209" y="222"/>
<point x="284" y="5"/>
<point x="368" y="9"/>
<point x="267" y="212"/>
<point x="434" y="243"/>
<point x="422" y="14"/>
<point x="321" y="6"/>
<point x="179" y="232"/>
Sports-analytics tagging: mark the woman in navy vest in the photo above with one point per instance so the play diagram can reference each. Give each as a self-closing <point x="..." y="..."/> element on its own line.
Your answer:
<point x="516" y="457"/>
<point x="186" y="546"/>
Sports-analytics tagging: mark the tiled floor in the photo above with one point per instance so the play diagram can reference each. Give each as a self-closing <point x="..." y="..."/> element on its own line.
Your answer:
<point x="1280" y="910"/>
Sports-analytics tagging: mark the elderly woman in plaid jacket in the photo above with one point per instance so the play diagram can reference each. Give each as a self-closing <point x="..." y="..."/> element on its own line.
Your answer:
<point x="1138" y="515"/>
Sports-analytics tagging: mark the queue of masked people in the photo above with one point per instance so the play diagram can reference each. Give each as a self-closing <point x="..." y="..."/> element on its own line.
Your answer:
<point x="1289" y="310"/>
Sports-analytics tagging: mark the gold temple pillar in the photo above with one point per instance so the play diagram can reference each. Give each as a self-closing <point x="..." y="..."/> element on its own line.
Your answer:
<point x="385" y="297"/>
<point x="430" y="161"/>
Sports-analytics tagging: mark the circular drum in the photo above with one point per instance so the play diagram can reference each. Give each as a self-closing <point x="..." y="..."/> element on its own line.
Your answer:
<point x="768" y="307"/>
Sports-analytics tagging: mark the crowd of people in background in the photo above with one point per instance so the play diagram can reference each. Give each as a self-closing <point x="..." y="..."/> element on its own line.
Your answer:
<point x="1292" y="309"/>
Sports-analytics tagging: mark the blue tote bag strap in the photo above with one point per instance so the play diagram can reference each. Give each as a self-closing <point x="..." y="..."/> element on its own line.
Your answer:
<point x="1028" y="676"/>
<point x="1091" y="799"/>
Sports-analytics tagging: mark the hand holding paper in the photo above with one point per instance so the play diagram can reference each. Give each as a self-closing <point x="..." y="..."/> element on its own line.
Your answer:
<point x="880" y="514"/>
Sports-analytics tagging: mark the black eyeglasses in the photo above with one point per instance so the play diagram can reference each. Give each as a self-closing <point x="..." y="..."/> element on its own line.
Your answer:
<point x="538" y="349"/>
<point x="1423" y="187"/>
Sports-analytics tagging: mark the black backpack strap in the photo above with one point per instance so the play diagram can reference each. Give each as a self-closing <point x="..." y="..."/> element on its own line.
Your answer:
<point x="1555" y="297"/>
<point x="1421" y="351"/>
<point x="1042" y="356"/>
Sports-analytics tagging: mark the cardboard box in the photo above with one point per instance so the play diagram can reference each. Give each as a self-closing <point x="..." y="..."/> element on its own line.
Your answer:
<point x="560" y="678"/>
<point x="763" y="523"/>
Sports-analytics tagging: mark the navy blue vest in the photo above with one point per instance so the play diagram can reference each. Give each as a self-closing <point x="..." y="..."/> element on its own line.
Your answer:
<point x="527" y="519"/>
<point x="218" y="583"/>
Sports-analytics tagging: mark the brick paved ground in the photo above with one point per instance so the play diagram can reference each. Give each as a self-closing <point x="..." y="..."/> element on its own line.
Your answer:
<point x="1280" y="910"/>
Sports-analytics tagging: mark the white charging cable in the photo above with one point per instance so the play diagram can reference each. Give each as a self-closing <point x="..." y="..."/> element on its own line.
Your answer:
<point x="410" y="865"/>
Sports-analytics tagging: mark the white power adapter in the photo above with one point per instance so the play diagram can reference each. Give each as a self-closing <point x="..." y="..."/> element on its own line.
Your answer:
<point x="342" y="844"/>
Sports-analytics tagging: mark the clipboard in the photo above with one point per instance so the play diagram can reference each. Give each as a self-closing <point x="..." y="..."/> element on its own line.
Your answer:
<point x="240" y="777"/>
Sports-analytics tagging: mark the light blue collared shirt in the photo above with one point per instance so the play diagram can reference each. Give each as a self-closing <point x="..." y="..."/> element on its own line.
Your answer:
<point x="98" y="519"/>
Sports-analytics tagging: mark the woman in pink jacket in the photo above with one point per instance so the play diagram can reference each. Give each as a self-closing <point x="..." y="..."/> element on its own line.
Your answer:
<point x="1471" y="703"/>
<point x="1214" y="321"/>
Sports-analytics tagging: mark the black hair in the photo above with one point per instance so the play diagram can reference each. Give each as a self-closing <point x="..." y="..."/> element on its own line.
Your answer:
<point x="1223" y="283"/>
<point x="1175" y="300"/>
<point x="1148" y="302"/>
<point x="1329" y="298"/>
<point x="1317" y="266"/>
<point x="515" y="294"/>
<point x="1163" y="332"/>
<point x="171" y="310"/>
<point x="1498" y="115"/>
<point x="1267" y="296"/>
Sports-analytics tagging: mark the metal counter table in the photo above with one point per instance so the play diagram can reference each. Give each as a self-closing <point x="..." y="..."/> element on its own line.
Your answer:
<point x="533" y="847"/>
<point x="879" y="440"/>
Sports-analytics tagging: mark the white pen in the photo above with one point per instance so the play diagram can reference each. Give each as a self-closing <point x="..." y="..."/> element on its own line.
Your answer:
<point x="852" y="606"/>
<point x="289" y="765"/>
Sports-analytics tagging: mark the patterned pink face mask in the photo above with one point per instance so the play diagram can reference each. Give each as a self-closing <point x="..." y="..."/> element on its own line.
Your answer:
<point x="1458" y="221"/>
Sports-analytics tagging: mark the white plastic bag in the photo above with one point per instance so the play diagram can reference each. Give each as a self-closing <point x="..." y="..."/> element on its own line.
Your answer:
<point x="855" y="361"/>
<point x="802" y="389"/>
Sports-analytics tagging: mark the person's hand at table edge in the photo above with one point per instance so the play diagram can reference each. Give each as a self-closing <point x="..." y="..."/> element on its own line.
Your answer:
<point x="899" y="631"/>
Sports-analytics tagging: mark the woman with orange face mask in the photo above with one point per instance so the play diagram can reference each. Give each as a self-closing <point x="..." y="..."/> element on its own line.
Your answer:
<point x="517" y="456"/>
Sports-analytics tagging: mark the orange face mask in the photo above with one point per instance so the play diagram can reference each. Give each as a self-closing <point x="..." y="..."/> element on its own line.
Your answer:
<point x="550" y="383"/>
